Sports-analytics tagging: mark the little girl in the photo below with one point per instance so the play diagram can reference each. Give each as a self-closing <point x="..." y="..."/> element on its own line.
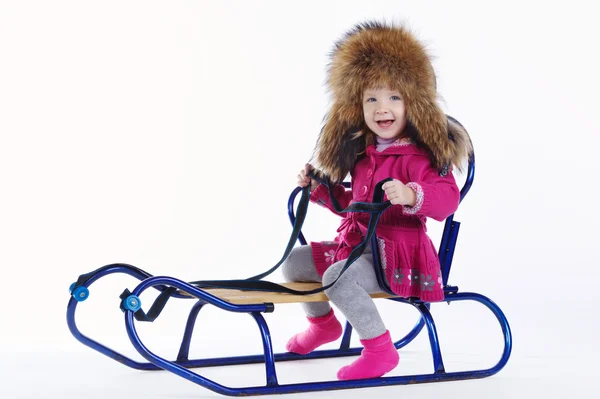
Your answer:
<point x="384" y="122"/>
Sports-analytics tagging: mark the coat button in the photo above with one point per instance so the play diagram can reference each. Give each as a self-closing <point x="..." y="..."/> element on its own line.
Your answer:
<point x="369" y="173"/>
<point x="364" y="190"/>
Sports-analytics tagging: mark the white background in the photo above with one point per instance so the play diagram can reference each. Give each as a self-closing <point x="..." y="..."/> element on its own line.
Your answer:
<point x="168" y="135"/>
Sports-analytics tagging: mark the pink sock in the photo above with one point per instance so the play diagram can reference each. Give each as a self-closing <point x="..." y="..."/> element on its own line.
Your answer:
<point x="377" y="358"/>
<point x="322" y="330"/>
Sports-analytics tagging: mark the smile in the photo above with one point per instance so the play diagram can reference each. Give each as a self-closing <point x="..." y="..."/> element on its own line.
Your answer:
<point x="384" y="124"/>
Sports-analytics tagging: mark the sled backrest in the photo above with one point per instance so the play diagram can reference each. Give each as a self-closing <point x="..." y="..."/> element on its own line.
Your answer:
<point x="451" y="226"/>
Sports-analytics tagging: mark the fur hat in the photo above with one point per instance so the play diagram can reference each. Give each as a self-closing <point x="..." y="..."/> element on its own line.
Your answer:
<point x="376" y="55"/>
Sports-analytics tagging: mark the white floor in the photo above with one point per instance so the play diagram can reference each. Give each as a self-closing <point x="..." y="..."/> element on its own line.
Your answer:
<point x="554" y="355"/>
<point x="86" y="374"/>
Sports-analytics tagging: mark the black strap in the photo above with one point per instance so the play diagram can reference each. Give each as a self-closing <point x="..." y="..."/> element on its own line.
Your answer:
<point x="252" y="284"/>
<point x="375" y="209"/>
<point x="167" y="292"/>
<point x="156" y="308"/>
<point x="255" y="284"/>
<point x="267" y="286"/>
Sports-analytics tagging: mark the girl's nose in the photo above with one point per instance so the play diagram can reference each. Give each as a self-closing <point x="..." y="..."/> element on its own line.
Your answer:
<point x="381" y="112"/>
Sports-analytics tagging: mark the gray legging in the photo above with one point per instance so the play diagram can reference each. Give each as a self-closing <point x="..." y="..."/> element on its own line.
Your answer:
<point x="350" y="294"/>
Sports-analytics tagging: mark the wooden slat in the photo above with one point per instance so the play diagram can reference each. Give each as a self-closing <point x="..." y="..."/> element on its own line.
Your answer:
<point x="252" y="297"/>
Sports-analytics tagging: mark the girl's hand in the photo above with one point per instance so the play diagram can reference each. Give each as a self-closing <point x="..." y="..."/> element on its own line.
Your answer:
<point x="304" y="180"/>
<point x="399" y="194"/>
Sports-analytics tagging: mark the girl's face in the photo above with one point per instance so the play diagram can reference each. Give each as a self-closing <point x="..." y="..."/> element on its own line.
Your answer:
<point x="384" y="112"/>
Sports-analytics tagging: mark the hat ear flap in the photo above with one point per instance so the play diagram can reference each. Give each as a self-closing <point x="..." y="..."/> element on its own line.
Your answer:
<point x="460" y="140"/>
<point x="340" y="141"/>
<point x="431" y="128"/>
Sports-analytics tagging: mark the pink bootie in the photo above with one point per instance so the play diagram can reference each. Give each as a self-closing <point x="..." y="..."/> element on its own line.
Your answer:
<point x="322" y="330"/>
<point x="378" y="357"/>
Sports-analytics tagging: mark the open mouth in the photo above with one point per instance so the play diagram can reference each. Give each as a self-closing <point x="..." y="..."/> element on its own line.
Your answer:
<point x="384" y="124"/>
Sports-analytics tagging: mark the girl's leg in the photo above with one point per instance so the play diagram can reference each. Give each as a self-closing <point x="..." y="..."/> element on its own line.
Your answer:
<point x="351" y="295"/>
<point x="323" y="325"/>
<point x="299" y="266"/>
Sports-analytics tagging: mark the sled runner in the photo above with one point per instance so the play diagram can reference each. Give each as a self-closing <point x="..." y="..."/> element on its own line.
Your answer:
<point x="255" y="297"/>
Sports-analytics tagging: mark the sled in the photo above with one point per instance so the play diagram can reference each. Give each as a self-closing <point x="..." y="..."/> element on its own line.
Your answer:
<point x="255" y="303"/>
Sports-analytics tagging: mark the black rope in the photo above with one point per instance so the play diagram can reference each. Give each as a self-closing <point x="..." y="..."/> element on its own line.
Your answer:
<point x="255" y="283"/>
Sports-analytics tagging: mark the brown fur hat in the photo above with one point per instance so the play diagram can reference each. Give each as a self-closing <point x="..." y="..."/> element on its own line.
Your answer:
<point x="376" y="55"/>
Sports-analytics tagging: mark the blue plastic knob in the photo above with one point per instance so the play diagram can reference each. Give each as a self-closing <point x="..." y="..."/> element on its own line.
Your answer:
<point x="80" y="294"/>
<point x="132" y="303"/>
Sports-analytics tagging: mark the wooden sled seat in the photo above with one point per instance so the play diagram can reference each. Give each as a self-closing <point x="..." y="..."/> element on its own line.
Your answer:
<point x="252" y="297"/>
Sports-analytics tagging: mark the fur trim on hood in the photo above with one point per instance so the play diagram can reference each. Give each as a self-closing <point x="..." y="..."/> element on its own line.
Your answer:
<point x="376" y="55"/>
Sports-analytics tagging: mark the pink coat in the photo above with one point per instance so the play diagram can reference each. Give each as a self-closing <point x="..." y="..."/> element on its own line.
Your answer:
<point x="408" y="256"/>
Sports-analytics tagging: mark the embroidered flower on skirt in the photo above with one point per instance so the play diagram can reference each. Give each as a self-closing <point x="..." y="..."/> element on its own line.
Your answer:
<point x="329" y="255"/>
<point x="398" y="276"/>
<point x="426" y="282"/>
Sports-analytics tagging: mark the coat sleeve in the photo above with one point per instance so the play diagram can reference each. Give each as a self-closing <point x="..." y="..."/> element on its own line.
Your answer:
<point x="321" y="197"/>
<point x="437" y="196"/>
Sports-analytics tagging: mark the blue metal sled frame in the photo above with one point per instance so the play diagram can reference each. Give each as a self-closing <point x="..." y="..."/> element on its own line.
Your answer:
<point x="182" y="364"/>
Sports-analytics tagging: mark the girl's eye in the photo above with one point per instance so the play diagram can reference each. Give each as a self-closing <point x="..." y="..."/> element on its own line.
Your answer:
<point x="369" y="99"/>
<point x="396" y="98"/>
